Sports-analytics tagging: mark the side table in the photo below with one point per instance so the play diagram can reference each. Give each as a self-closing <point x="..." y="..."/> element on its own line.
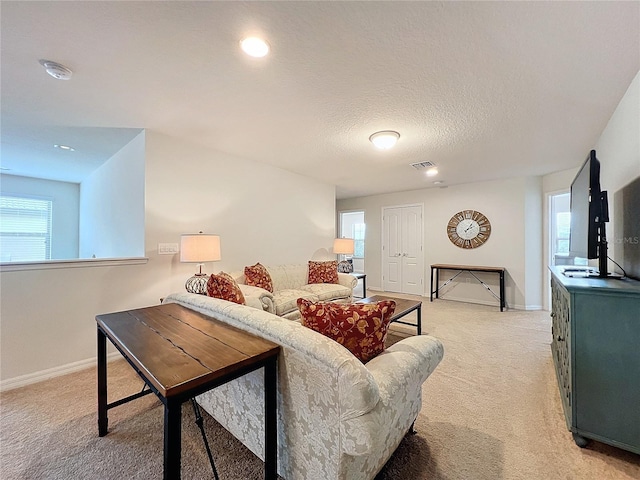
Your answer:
<point x="180" y="353"/>
<point x="363" y="277"/>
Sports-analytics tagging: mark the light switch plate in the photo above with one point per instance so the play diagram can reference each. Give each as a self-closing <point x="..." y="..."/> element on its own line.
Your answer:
<point x="167" y="248"/>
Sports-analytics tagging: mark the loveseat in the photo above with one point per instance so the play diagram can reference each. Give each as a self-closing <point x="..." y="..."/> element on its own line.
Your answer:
<point x="290" y="282"/>
<point x="338" y="419"/>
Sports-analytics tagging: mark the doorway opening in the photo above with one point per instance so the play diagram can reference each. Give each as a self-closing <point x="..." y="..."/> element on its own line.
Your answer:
<point x="352" y="225"/>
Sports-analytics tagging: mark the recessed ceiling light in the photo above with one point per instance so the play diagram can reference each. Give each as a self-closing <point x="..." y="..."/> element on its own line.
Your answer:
<point x="432" y="172"/>
<point x="56" y="70"/>
<point x="65" y="147"/>
<point x="255" y="47"/>
<point x="385" y="139"/>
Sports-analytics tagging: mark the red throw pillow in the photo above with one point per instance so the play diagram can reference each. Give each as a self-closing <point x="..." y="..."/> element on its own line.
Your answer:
<point x="323" y="272"/>
<point x="360" y="327"/>
<point x="225" y="287"/>
<point x="258" y="276"/>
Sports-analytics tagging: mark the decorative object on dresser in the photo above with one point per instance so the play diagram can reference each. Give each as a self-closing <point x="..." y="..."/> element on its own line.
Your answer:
<point x="344" y="246"/>
<point x="199" y="248"/>
<point x="468" y="229"/>
<point x="596" y="333"/>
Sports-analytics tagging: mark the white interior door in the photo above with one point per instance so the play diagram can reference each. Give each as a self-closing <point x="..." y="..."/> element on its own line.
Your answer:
<point x="392" y="250"/>
<point x="403" y="258"/>
<point x="412" y="257"/>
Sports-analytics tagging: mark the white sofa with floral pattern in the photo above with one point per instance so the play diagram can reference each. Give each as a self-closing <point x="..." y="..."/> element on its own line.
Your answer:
<point x="290" y="282"/>
<point x="338" y="419"/>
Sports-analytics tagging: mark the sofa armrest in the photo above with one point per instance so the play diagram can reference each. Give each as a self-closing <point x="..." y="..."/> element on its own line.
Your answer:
<point x="399" y="373"/>
<point x="347" y="280"/>
<point x="258" y="298"/>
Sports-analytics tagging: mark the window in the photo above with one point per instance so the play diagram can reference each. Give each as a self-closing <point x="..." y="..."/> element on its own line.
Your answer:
<point x="25" y="229"/>
<point x="563" y="225"/>
<point x="358" y="240"/>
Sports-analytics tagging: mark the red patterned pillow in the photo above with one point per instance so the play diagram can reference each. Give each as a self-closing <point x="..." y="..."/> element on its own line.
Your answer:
<point x="225" y="287"/>
<point x="360" y="327"/>
<point x="258" y="276"/>
<point x="323" y="272"/>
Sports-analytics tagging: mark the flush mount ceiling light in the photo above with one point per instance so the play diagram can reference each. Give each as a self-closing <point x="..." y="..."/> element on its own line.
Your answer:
<point x="254" y="46"/>
<point x="384" y="140"/>
<point x="432" y="172"/>
<point x="66" y="148"/>
<point x="56" y="70"/>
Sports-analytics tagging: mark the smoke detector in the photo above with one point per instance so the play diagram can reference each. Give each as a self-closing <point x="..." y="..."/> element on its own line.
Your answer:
<point x="56" y="70"/>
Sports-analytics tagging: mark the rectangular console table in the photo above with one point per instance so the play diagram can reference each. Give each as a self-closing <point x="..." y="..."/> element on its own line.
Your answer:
<point x="436" y="267"/>
<point x="180" y="353"/>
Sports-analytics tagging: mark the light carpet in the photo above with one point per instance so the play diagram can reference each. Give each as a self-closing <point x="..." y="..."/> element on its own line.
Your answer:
<point x="491" y="410"/>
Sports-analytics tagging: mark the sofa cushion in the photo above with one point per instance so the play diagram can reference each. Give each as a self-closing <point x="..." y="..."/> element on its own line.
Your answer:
<point x="285" y="301"/>
<point x="223" y="286"/>
<point x="258" y="276"/>
<point x="327" y="291"/>
<point x="323" y="272"/>
<point x="359" y="327"/>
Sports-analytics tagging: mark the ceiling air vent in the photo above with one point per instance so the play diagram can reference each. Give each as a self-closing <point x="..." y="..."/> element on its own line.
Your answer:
<point x="423" y="165"/>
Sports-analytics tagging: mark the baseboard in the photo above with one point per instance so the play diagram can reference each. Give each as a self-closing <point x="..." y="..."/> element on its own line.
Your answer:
<point x="42" y="375"/>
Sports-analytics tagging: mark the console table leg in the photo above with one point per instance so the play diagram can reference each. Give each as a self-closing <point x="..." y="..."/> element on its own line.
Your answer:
<point x="270" y="417"/>
<point x="419" y="311"/>
<point x="172" y="439"/>
<point x="103" y="420"/>
<point x="501" y="291"/>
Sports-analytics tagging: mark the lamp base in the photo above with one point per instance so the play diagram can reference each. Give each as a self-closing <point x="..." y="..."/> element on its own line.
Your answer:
<point x="345" y="266"/>
<point x="197" y="284"/>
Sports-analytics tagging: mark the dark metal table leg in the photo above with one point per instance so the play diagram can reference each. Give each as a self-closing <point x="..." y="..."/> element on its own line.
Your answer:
<point x="103" y="420"/>
<point x="431" y="287"/>
<point x="270" y="418"/>
<point x="419" y="310"/>
<point x="172" y="439"/>
<point x="501" y="291"/>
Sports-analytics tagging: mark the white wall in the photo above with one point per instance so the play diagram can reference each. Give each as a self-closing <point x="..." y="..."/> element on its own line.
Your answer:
<point x="504" y="202"/>
<point x="618" y="150"/>
<point x="64" y="215"/>
<point x="262" y="214"/>
<point x="112" y="205"/>
<point x="533" y="242"/>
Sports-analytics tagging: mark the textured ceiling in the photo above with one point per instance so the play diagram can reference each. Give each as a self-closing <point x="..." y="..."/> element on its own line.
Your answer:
<point x="484" y="90"/>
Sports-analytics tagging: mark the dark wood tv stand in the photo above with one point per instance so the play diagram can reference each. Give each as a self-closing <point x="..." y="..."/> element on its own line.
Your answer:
<point x="596" y="333"/>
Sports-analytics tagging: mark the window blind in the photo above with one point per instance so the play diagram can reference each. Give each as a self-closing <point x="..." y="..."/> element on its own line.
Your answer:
<point x="25" y="229"/>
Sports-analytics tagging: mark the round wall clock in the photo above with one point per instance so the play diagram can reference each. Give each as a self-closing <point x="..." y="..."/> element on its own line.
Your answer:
<point x="468" y="229"/>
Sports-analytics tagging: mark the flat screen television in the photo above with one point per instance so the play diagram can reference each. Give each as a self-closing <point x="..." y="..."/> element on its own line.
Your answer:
<point x="589" y="214"/>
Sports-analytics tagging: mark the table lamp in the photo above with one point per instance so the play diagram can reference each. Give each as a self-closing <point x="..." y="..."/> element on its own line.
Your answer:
<point x="199" y="248"/>
<point x="344" y="246"/>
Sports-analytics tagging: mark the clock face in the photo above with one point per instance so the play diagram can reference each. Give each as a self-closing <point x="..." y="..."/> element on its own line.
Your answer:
<point x="468" y="229"/>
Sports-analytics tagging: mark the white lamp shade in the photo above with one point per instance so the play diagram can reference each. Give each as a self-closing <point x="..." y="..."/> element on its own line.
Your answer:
<point x="199" y="248"/>
<point x="343" y="246"/>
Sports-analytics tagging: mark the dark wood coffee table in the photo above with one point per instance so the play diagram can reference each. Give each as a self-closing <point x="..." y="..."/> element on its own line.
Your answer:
<point x="403" y="307"/>
<point x="180" y="353"/>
